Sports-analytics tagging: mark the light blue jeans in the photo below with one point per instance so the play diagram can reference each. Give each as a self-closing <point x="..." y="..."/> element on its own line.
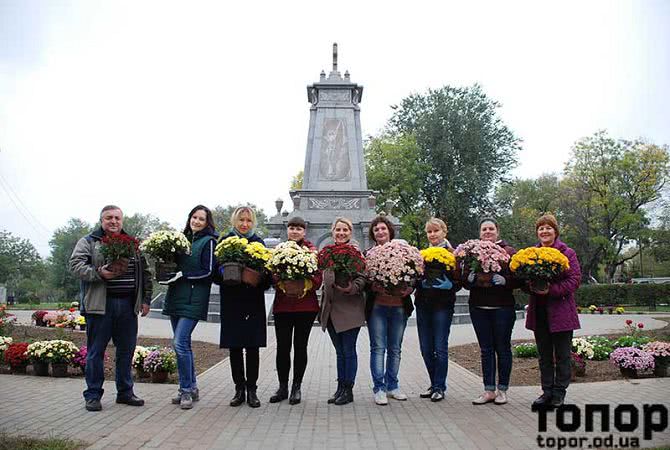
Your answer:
<point x="183" y="328"/>
<point x="386" y="326"/>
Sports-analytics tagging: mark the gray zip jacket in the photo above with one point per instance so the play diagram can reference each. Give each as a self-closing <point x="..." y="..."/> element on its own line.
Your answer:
<point x="85" y="261"/>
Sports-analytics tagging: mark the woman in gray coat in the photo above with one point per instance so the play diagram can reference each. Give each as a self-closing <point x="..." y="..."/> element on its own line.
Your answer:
<point x="342" y="314"/>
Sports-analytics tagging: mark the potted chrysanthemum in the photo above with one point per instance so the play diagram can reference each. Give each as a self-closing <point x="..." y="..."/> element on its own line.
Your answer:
<point x="631" y="360"/>
<point x="138" y="359"/>
<point x="160" y="363"/>
<point x="163" y="247"/>
<point x="538" y="265"/>
<point x="344" y="260"/>
<point x="437" y="261"/>
<point x="16" y="357"/>
<point x="117" y="250"/>
<point x="661" y="353"/>
<point x="394" y="265"/>
<point x="293" y="265"/>
<point x="255" y="258"/>
<point x="484" y="258"/>
<point x="231" y="253"/>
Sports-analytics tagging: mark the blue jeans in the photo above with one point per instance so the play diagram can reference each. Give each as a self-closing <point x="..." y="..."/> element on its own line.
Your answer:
<point x="120" y="324"/>
<point x="494" y="333"/>
<point x="183" y="328"/>
<point x="434" y="326"/>
<point x="345" y="348"/>
<point x="386" y="326"/>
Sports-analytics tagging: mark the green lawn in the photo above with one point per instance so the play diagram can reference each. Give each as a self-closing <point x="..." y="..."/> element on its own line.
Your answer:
<point x="31" y="306"/>
<point x="28" y="443"/>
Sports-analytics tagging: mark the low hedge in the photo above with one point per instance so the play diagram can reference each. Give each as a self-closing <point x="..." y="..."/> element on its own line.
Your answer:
<point x="615" y="294"/>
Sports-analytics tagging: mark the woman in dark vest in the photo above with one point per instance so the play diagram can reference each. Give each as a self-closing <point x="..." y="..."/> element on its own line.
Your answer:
<point x="187" y="298"/>
<point x="243" y="318"/>
<point x="294" y="317"/>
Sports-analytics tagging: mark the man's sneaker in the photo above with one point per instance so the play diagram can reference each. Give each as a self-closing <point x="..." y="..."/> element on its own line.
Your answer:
<point x="397" y="394"/>
<point x="501" y="398"/>
<point x="427" y="393"/>
<point x="132" y="400"/>
<point x="186" y="401"/>
<point x="486" y="397"/>
<point x="380" y="398"/>
<point x="195" y="394"/>
<point x="437" y="396"/>
<point x="93" y="405"/>
<point x="177" y="398"/>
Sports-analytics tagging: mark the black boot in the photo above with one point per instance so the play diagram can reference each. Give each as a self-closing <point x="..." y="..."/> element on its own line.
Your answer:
<point x="347" y="395"/>
<point x="542" y="402"/>
<point x="338" y="392"/>
<point x="281" y="394"/>
<point x="252" y="399"/>
<point x="238" y="399"/>
<point x="296" y="396"/>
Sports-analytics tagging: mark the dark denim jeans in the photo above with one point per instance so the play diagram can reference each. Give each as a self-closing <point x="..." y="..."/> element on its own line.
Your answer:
<point x="345" y="348"/>
<point x="182" y="328"/>
<point x="494" y="333"/>
<point x="120" y="324"/>
<point x="434" y="326"/>
<point x="386" y="326"/>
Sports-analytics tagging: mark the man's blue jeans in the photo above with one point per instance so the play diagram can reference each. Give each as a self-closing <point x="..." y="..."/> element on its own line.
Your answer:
<point x="345" y="348"/>
<point x="120" y="324"/>
<point x="494" y="333"/>
<point x="386" y="326"/>
<point x="434" y="325"/>
<point x="183" y="328"/>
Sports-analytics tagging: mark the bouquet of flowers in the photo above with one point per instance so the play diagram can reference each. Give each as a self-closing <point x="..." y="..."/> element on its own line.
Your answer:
<point x="481" y="256"/>
<point x="15" y="355"/>
<point x="56" y="351"/>
<point x="294" y="265"/>
<point x="632" y="358"/>
<point x="160" y="360"/>
<point x="394" y="265"/>
<point x="343" y="259"/>
<point x="118" y="249"/>
<point x="539" y="265"/>
<point x="437" y="261"/>
<point x="5" y="342"/>
<point x="582" y="347"/>
<point x="164" y="246"/>
<point x="79" y="358"/>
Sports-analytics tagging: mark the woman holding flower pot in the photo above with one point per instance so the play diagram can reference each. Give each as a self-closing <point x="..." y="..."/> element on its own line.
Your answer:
<point x="187" y="298"/>
<point x="342" y="314"/>
<point x="552" y="316"/>
<point x="434" y="300"/>
<point x="387" y="313"/>
<point x="493" y="316"/>
<point x="243" y="317"/>
<point x="293" y="320"/>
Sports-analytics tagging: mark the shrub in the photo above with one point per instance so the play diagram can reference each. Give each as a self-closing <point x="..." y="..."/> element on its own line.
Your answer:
<point x="526" y="350"/>
<point x="631" y="341"/>
<point x="602" y="347"/>
<point x="627" y="294"/>
<point x="632" y="358"/>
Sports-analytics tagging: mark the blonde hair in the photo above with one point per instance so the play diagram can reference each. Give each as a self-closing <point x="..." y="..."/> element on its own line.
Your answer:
<point x="344" y="220"/>
<point x="235" y="217"/>
<point x="434" y="221"/>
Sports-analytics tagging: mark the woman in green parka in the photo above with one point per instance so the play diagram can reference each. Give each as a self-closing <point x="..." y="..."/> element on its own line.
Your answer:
<point x="187" y="298"/>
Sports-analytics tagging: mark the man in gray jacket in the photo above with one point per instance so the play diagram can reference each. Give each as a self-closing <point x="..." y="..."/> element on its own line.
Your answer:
<point x="111" y="297"/>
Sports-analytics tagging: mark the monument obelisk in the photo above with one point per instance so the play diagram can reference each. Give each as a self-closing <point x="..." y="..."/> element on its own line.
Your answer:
<point x="334" y="183"/>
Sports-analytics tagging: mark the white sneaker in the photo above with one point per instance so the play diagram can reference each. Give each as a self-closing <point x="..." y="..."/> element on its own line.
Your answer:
<point x="380" y="398"/>
<point x="501" y="398"/>
<point x="397" y="394"/>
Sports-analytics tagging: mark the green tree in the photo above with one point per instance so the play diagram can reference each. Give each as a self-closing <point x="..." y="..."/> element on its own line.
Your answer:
<point x="296" y="181"/>
<point x="222" y="215"/>
<point x="142" y="225"/>
<point x="21" y="268"/>
<point x="62" y="244"/>
<point x="466" y="146"/>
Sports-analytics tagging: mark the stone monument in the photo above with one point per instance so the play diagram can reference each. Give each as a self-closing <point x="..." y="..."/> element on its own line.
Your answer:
<point x="334" y="183"/>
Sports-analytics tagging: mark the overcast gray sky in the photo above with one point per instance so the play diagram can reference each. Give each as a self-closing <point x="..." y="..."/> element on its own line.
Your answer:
<point x="157" y="106"/>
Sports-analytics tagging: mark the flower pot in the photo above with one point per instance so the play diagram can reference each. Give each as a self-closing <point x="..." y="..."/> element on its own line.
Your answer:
<point x="293" y="288"/>
<point x="628" y="372"/>
<point x="141" y="373"/>
<point x="251" y="277"/>
<point x="397" y="290"/>
<point x="165" y="270"/>
<point x="232" y="274"/>
<point x="41" y="368"/>
<point x="40" y="323"/>
<point x="119" y="265"/>
<point x="433" y="271"/>
<point x="539" y="285"/>
<point x="159" y="377"/>
<point x="19" y="369"/>
<point x="59" y="370"/>
<point x="661" y="365"/>
<point x="484" y="280"/>
<point x="82" y="327"/>
<point x="342" y="279"/>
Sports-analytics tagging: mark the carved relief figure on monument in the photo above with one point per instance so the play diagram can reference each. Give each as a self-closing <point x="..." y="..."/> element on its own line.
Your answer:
<point x="334" y="164"/>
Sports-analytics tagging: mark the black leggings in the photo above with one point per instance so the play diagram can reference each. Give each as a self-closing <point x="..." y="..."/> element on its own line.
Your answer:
<point x="554" y="355"/>
<point x="237" y="367"/>
<point x="294" y="326"/>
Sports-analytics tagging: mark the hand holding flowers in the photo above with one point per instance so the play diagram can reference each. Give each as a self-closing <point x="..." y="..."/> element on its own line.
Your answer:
<point x="539" y="266"/>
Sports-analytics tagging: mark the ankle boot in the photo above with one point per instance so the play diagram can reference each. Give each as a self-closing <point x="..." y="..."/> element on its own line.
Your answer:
<point x="281" y="394"/>
<point x="296" y="396"/>
<point x="347" y="395"/>
<point x="338" y="392"/>
<point x="252" y="399"/>
<point x="238" y="399"/>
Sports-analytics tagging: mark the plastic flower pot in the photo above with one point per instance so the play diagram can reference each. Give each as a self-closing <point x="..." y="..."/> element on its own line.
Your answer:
<point x="342" y="279"/>
<point x="119" y="265"/>
<point x="628" y="372"/>
<point x="539" y="285"/>
<point x="41" y="368"/>
<point x="294" y="288"/>
<point x="159" y="377"/>
<point x="59" y="370"/>
<point x="165" y="270"/>
<point x="661" y="366"/>
<point x="19" y="369"/>
<point x="232" y="274"/>
<point x="251" y="277"/>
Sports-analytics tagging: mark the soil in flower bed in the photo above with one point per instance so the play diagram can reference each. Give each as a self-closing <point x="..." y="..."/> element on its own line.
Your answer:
<point x="526" y="372"/>
<point x="206" y="354"/>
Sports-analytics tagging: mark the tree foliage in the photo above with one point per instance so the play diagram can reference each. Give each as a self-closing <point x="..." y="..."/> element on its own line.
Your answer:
<point x="297" y="180"/>
<point x="222" y="218"/>
<point x="62" y="244"/>
<point x="142" y="225"/>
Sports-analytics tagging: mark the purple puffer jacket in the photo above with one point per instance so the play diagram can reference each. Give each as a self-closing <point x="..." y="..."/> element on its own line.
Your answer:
<point x="560" y="301"/>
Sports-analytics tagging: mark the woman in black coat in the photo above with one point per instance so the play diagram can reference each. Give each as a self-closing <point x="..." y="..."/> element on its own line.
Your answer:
<point x="243" y="318"/>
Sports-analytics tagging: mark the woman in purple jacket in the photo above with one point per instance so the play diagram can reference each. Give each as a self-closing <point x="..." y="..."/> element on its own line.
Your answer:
<point x="552" y="315"/>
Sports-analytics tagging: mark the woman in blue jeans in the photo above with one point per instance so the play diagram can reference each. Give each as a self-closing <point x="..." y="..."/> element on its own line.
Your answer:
<point x="187" y="298"/>
<point x="434" y="303"/>
<point x="492" y="313"/>
<point x="343" y="314"/>
<point x="387" y="318"/>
